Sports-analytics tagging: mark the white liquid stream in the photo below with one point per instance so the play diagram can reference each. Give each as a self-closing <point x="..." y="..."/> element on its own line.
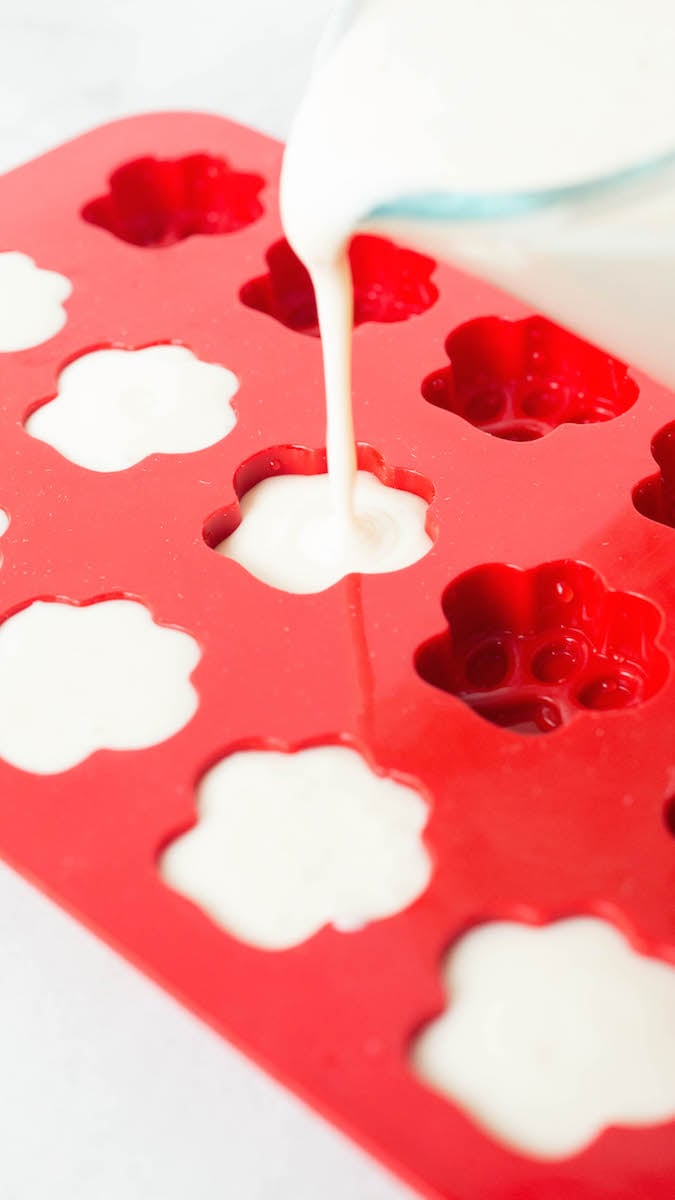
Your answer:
<point x="492" y="98"/>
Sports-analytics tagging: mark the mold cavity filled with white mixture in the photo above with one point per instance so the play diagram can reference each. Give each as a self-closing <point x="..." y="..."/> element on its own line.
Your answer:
<point x="78" y="679"/>
<point x="286" y="844"/>
<point x="553" y="1034"/>
<point x="292" y="538"/>
<point x="31" y="302"/>
<point x="116" y="407"/>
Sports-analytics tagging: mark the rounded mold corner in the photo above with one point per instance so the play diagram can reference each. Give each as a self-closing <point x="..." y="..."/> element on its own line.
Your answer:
<point x="153" y="202"/>
<point x="521" y="380"/>
<point x="391" y="284"/>
<point x="531" y="650"/>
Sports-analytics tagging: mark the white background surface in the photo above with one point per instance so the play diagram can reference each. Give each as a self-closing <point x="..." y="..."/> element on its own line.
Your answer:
<point x="109" y="1090"/>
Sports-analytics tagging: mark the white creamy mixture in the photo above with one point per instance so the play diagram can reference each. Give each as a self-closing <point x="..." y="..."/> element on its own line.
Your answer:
<point x="553" y="1034"/>
<point x="31" y="302"/>
<point x="78" y="679"/>
<point x="441" y="97"/>
<point x="290" y="537"/>
<point x="288" y="843"/>
<point x="116" y="407"/>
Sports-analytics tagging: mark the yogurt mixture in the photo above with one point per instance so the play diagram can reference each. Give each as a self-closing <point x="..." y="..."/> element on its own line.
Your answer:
<point x="291" y="539"/>
<point x="553" y="1034"/>
<point x="479" y="101"/>
<point x="286" y="844"/>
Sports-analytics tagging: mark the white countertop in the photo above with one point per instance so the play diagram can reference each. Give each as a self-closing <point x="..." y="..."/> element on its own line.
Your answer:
<point x="111" y="1091"/>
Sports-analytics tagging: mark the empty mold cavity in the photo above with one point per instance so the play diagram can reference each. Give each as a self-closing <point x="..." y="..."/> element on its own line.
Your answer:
<point x="519" y="380"/>
<point x="655" y="497"/>
<point x="528" y="650"/>
<point x="157" y="202"/>
<point x="283" y="529"/>
<point x="31" y="302"/>
<point x="553" y="1034"/>
<point x="115" y="407"/>
<point x="669" y="815"/>
<point x="287" y="843"/>
<point x="390" y="284"/>
<point x="75" y="679"/>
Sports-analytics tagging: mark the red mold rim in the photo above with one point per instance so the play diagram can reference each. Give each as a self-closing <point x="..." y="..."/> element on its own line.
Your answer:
<point x="391" y="284"/>
<point x="520" y="380"/>
<point x="300" y="460"/>
<point x="654" y="497"/>
<point x="530" y="650"/>
<point x="154" y="202"/>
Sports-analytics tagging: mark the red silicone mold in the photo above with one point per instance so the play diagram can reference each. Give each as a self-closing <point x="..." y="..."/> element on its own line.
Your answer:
<point x="390" y="284"/>
<point x="546" y="606"/>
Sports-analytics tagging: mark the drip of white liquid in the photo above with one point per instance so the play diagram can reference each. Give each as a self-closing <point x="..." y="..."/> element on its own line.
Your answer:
<point x="493" y="99"/>
<point x="335" y="308"/>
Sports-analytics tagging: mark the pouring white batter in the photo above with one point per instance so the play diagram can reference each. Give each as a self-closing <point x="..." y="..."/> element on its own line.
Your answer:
<point x="441" y="106"/>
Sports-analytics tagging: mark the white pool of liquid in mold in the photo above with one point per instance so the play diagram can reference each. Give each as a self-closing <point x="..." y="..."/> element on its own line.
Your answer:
<point x="31" y="302"/>
<point x="78" y="679"/>
<point x="115" y="407"/>
<point x="553" y="1034"/>
<point x="291" y="537"/>
<point x="286" y="844"/>
<point x="436" y="106"/>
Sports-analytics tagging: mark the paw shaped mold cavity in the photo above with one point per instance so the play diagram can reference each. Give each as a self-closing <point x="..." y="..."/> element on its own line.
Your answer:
<point x="115" y="407"/>
<point x="390" y="284"/>
<point x="284" y="532"/>
<point x="157" y="202"/>
<point x="31" y="302"/>
<point x="654" y="498"/>
<point x="528" y="650"/>
<point x="519" y="380"/>
<point x="287" y="843"/>
<point x="76" y="679"/>
<point x="553" y="1034"/>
